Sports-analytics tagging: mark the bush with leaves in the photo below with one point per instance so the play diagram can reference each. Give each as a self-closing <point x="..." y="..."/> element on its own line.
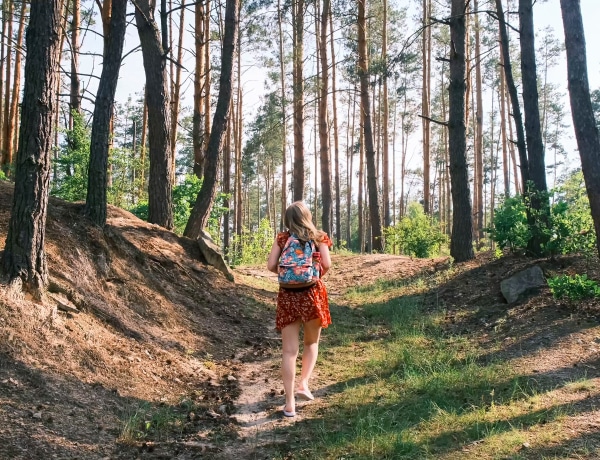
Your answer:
<point x="416" y="234"/>
<point x="184" y="198"/>
<point x="569" y="228"/>
<point x="510" y="229"/>
<point x="574" y="287"/>
<point x="252" y="246"/>
<point x="70" y="181"/>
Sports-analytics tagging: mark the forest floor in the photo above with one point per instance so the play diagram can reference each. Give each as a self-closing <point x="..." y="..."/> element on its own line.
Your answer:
<point x="140" y="350"/>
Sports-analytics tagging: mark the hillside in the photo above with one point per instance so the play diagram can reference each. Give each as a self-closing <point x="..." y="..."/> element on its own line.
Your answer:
<point x="165" y="358"/>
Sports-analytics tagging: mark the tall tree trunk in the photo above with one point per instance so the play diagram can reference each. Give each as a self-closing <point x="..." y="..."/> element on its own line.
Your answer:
<point x="361" y="187"/>
<point x="24" y="258"/>
<point x="349" y="169"/>
<point x="16" y="89"/>
<point x="75" y="99"/>
<point x="198" y="133"/>
<point x="479" y="127"/>
<point x="461" y="243"/>
<point x="206" y="196"/>
<point x="238" y="140"/>
<point x="385" y="123"/>
<point x="503" y="135"/>
<point x="425" y="100"/>
<point x="298" y="94"/>
<point x="6" y="160"/>
<point x="227" y="187"/>
<point x="363" y="66"/>
<point x="207" y="77"/>
<point x="283" y="115"/>
<point x="586" y="130"/>
<point x="176" y="91"/>
<point x="338" y="213"/>
<point x="144" y="139"/>
<point x="3" y="44"/>
<point x="535" y="146"/>
<point x="512" y="91"/>
<point x="160" y="208"/>
<point x="324" y="154"/>
<point x="96" y="199"/>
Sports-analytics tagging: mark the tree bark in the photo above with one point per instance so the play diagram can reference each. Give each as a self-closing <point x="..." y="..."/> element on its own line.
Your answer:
<point x="535" y="145"/>
<point x="479" y="128"/>
<point x="160" y="208"/>
<point x="586" y="130"/>
<point x="324" y="154"/>
<point x="177" y="90"/>
<point x="298" y="92"/>
<point x="75" y="100"/>
<point x="283" y="115"/>
<point x="338" y="213"/>
<point x="199" y="78"/>
<point x="512" y="91"/>
<point x="6" y="159"/>
<point x="461" y="243"/>
<point x="425" y="100"/>
<point x="363" y="66"/>
<point x="204" y="202"/>
<point x="24" y="256"/>
<point x="385" y="157"/>
<point x="16" y="90"/>
<point x="96" y="199"/>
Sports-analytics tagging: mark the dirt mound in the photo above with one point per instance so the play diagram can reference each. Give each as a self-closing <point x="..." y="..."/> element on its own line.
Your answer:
<point x="155" y="326"/>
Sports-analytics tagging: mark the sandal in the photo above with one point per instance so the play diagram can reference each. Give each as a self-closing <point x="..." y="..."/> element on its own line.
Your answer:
<point x="305" y="395"/>
<point x="288" y="414"/>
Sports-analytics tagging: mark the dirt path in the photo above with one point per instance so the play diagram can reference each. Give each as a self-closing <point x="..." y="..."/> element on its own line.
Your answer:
<point x="258" y="408"/>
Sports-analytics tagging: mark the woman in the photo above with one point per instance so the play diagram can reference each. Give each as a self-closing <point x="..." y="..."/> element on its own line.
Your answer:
<point x="307" y="306"/>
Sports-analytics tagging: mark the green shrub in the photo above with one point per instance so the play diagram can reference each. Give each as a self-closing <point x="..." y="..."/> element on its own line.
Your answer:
<point x="184" y="198"/>
<point x="510" y="229"/>
<point x="574" y="287"/>
<point x="569" y="227"/>
<point x="416" y="234"/>
<point x="252" y="247"/>
<point x="70" y="182"/>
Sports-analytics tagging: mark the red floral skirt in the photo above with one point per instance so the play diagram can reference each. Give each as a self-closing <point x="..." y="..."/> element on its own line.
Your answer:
<point x="303" y="304"/>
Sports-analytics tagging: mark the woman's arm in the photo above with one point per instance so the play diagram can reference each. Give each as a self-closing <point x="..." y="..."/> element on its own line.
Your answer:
<point x="325" y="258"/>
<point x="273" y="261"/>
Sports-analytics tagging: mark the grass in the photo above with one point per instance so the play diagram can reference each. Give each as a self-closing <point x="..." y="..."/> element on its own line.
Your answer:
<point x="148" y="421"/>
<point x="405" y="390"/>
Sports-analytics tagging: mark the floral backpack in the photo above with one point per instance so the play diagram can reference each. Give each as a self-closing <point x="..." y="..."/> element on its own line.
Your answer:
<point x="298" y="263"/>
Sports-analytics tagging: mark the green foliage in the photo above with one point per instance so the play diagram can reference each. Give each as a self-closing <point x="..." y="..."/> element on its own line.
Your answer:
<point x="416" y="234"/>
<point x="70" y="182"/>
<point x="253" y="247"/>
<point x="184" y="198"/>
<point x="568" y="229"/>
<point x="574" y="287"/>
<point x="510" y="229"/>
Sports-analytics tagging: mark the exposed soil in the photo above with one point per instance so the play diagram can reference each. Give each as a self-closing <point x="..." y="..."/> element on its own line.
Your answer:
<point x="155" y="329"/>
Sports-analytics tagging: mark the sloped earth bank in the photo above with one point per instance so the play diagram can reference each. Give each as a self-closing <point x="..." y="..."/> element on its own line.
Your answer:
<point x="165" y="358"/>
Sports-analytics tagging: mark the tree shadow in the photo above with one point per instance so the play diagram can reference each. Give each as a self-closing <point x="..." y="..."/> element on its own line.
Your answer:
<point x="47" y="415"/>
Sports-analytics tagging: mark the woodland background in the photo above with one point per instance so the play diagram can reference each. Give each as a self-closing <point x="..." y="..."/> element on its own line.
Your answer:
<point x="399" y="123"/>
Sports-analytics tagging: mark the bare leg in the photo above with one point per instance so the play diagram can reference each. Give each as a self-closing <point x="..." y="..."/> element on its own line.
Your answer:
<point x="312" y="333"/>
<point x="290" y="344"/>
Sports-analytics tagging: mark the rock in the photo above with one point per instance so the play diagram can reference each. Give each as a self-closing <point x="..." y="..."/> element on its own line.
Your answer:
<point x="522" y="283"/>
<point x="212" y="254"/>
<point x="37" y="415"/>
<point x="63" y="304"/>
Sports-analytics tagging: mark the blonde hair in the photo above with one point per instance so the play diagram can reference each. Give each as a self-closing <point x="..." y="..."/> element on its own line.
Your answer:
<point x="298" y="220"/>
